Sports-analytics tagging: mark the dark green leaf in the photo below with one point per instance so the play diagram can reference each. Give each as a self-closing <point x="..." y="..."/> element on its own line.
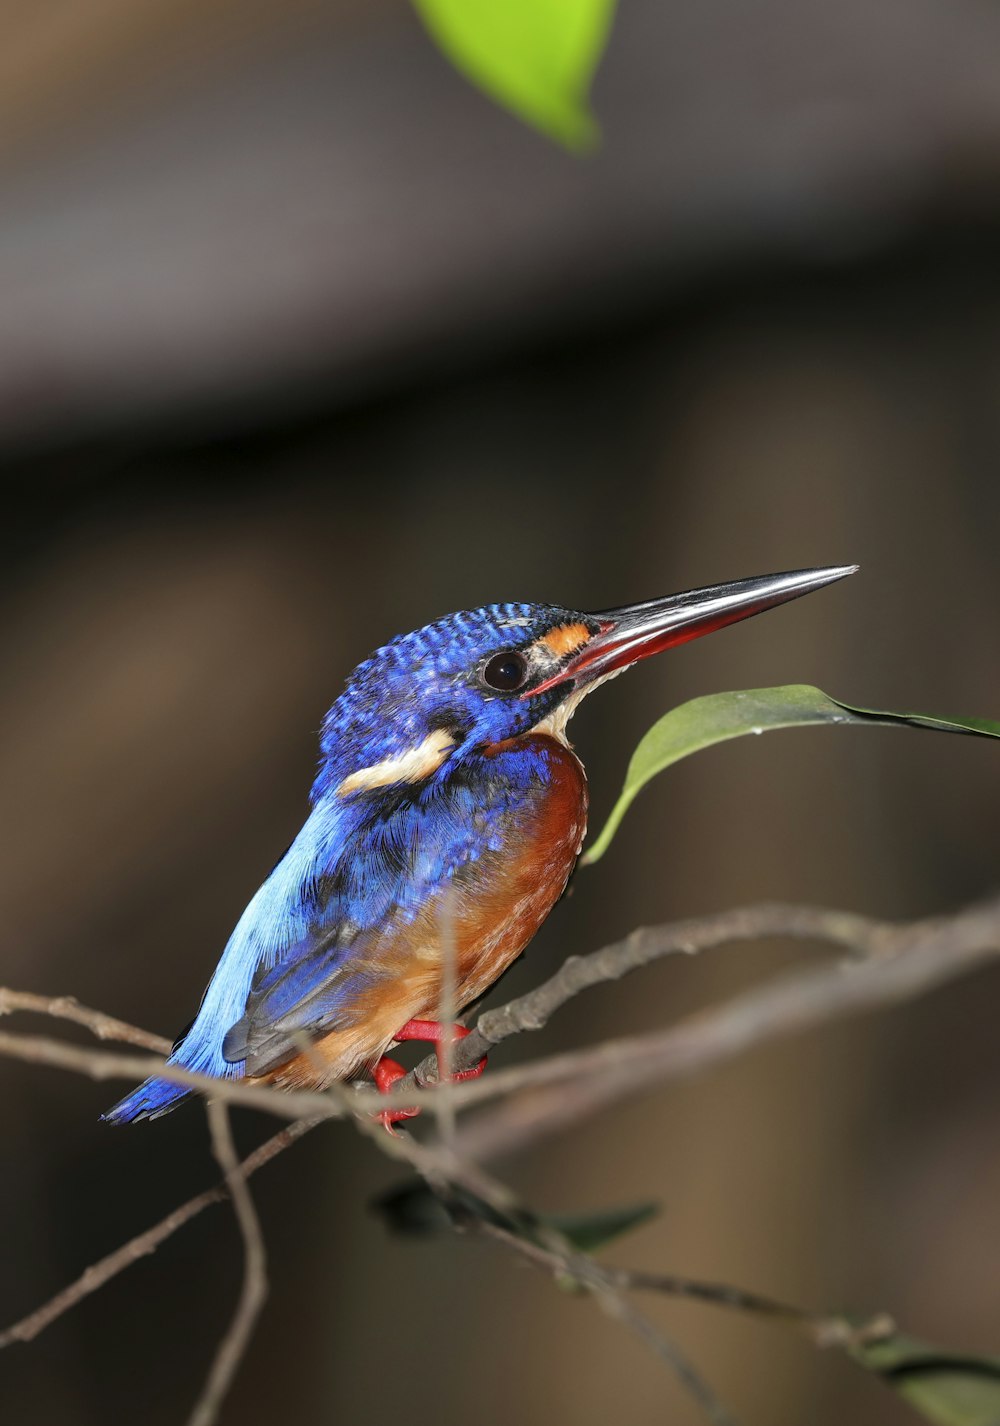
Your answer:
<point x="721" y="716"/>
<point x="415" y="1209"/>
<point x="947" y="1388"/>
<point x="589" y="1231"/>
<point x="536" y="57"/>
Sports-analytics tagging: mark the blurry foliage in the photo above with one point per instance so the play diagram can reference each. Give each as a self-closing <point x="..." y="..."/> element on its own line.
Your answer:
<point x="703" y="722"/>
<point x="944" y="1387"/>
<point x="535" y="57"/>
<point x="415" y="1209"/>
<point x="947" y="1388"/>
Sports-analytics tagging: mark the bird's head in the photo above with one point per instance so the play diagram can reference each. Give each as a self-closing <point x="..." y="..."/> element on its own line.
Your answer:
<point x="486" y="676"/>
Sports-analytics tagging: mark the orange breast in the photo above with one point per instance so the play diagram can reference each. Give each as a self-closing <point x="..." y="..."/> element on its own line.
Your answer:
<point x="502" y="919"/>
<point x="487" y="916"/>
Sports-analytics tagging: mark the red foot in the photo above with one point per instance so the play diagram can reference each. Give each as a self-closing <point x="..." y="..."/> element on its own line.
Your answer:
<point x="436" y="1034"/>
<point x="388" y="1072"/>
<point x="385" y="1074"/>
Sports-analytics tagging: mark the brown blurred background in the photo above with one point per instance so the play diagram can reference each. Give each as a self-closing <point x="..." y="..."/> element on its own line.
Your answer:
<point x="303" y="342"/>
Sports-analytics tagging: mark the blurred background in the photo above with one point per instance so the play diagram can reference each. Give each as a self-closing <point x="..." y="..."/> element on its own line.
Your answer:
<point x="304" y="342"/>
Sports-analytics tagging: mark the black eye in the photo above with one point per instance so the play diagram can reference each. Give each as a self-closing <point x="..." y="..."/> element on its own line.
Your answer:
<point x="506" y="672"/>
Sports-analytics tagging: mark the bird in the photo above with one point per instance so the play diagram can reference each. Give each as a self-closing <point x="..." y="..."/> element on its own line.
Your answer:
<point x="446" y="817"/>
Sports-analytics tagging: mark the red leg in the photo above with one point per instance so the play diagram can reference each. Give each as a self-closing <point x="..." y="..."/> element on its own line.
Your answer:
<point x="387" y="1072"/>
<point x="435" y="1033"/>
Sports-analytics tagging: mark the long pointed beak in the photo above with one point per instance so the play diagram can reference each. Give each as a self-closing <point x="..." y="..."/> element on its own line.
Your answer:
<point x="640" y="630"/>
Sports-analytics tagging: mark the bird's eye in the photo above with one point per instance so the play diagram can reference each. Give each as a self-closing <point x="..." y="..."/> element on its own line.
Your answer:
<point x="506" y="672"/>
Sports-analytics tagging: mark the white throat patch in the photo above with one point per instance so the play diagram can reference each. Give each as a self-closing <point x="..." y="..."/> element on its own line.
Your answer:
<point x="554" y="723"/>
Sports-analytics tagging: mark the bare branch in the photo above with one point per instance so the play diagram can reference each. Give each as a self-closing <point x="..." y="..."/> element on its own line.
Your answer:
<point x="446" y="1015"/>
<point x="105" y="1064"/>
<point x="545" y="1095"/>
<point x="822" y="1329"/>
<point x="441" y="1168"/>
<point x="143" y="1244"/>
<point x="65" y="1007"/>
<point x="861" y="935"/>
<point x="529" y="1012"/>
<point x="553" y="1093"/>
<point x="600" y="1283"/>
<point x="898" y="960"/>
<point x="253" y="1293"/>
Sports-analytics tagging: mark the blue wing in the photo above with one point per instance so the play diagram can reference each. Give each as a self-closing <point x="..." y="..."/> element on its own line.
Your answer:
<point x="291" y="966"/>
<point x="404" y="854"/>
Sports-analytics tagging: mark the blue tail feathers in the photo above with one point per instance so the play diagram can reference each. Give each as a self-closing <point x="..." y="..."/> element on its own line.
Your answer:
<point x="149" y="1101"/>
<point x="276" y="917"/>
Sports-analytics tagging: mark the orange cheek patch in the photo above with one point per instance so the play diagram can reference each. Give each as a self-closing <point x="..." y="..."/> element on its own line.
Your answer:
<point x="565" y="639"/>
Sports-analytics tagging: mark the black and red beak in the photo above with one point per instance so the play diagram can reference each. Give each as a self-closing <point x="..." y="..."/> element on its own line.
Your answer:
<point x="637" y="631"/>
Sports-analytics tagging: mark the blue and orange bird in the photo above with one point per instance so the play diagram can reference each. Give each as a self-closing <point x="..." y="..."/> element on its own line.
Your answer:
<point x="448" y="803"/>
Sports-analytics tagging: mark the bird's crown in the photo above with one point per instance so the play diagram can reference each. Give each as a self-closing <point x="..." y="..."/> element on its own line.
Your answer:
<point x="464" y="681"/>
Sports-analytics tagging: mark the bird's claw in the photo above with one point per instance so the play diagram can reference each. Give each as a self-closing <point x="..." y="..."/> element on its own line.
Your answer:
<point x="389" y="1072"/>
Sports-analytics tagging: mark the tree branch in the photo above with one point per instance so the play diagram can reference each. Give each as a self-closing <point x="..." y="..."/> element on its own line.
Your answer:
<point x="253" y="1293"/>
<point x="105" y="1064"/>
<point x="607" y="1287"/>
<point x="551" y="1094"/>
<point x="65" y="1007"/>
<point x="861" y="935"/>
<point x="822" y="1329"/>
<point x="143" y="1244"/>
<point x="897" y="961"/>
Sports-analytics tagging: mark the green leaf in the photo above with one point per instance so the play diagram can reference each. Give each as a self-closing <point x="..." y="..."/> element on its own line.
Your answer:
<point x="536" y="57"/>
<point x="589" y="1231"/>
<point x="721" y="716"/>
<point x="415" y="1209"/>
<point x="944" y="1387"/>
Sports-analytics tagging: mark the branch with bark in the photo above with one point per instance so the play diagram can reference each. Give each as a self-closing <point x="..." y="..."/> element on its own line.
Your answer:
<point x="885" y="963"/>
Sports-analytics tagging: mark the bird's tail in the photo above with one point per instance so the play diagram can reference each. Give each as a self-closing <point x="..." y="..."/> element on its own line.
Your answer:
<point x="149" y="1101"/>
<point x="200" y="1047"/>
<point x="157" y="1096"/>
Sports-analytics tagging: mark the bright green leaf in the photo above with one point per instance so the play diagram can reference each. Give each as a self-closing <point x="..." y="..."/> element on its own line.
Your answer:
<point x="721" y="716"/>
<point x="536" y="57"/>
<point x="944" y="1387"/>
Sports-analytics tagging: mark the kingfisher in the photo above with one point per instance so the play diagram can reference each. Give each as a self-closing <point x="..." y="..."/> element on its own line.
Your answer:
<point x="446" y="817"/>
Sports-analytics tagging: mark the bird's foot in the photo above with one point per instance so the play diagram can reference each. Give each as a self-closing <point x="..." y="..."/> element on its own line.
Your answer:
<point x="437" y="1034"/>
<point x="388" y="1072"/>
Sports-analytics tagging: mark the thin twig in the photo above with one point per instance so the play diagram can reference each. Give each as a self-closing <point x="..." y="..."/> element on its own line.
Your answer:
<point x="600" y="1284"/>
<point x="822" y="1329"/>
<point x="908" y="958"/>
<point x="105" y="1064"/>
<point x="446" y="1018"/>
<point x="143" y="1244"/>
<point x="898" y="960"/>
<point x="253" y="1293"/>
<point x="957" y="944"/>
<point x="66" y="1007"/>
<point x="442" y="1169"/>
<point x="863" y="936"/>
<point x="553" y="1093"/>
